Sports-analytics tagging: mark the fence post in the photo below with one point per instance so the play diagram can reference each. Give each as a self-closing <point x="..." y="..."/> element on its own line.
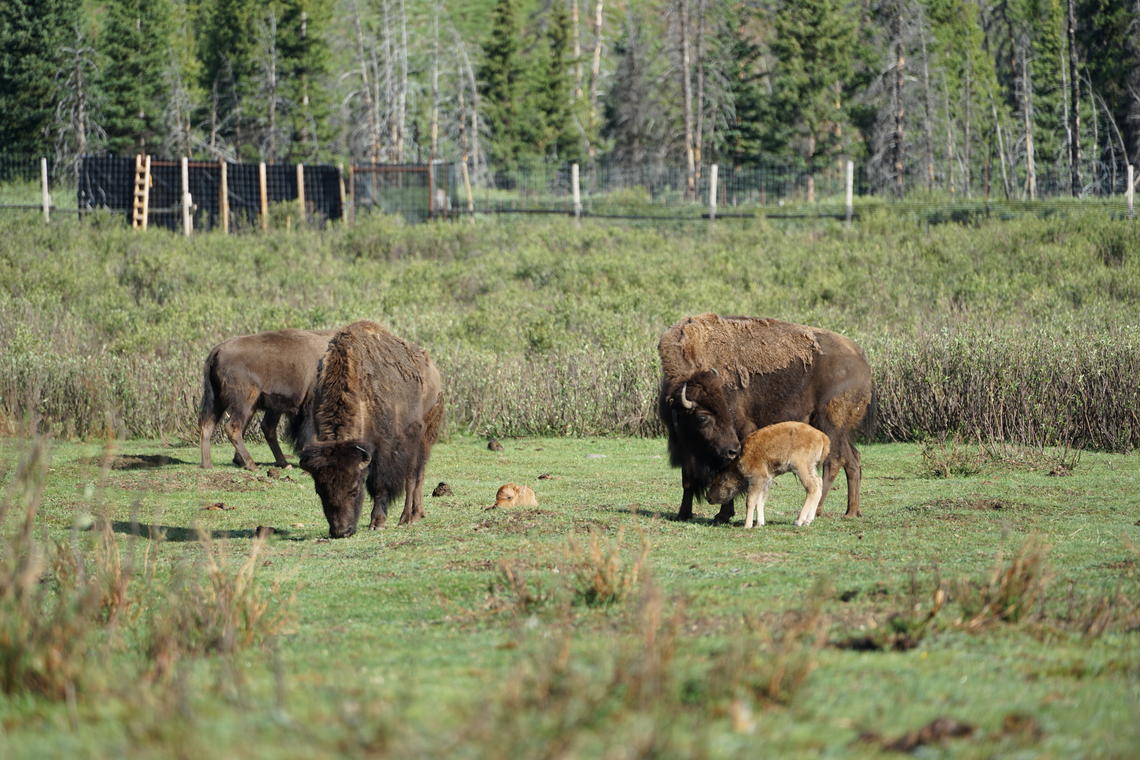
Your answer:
<point x="187" y="221"/>
<point x="576" y="191"/>
<point x="1130" y="193"/>
<point x="45" y="196"/>
<point x="301" y="190"/>
<point x="340" y="190"/>
<point x="713" y="172"/>
<point x="263" y="194"/>
<point x="467" y="188"/>
<point x="849" y="192"/>
<point x="224" y="196"/>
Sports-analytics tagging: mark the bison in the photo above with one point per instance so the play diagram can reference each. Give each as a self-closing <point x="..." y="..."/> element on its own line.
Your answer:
<point x="373" y="416"/>
<point x="272" y="371"/>
<point x="767" y="453"/>
<point x="724" y="377"/>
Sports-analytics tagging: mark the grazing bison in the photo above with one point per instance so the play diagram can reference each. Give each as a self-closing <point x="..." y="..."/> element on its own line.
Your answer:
<point x="273" y="371"/>
<point x="767" y="453"/>
<point x="724" y="377"/>
<point x="374" y="413"/>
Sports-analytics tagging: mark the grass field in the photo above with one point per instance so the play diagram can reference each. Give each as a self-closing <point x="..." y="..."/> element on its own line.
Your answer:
<point x="1003" y="603"/>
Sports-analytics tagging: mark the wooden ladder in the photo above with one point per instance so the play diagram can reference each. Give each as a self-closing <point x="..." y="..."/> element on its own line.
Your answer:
<point x="141" y="206"/>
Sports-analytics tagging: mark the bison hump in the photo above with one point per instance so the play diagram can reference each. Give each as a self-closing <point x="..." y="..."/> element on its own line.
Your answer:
<point x="738" y="347"/>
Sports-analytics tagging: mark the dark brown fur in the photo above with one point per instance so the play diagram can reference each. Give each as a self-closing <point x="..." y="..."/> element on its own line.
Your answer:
<point x="756" y="373"/>
<point x="374" y="415"/>
<point x="271" y="371"/>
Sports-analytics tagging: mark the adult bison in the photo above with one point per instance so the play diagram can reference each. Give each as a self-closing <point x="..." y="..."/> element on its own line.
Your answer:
<point x="724" y="377"/>
<point x="373" y="417"/>
<point x="272" y="371"/>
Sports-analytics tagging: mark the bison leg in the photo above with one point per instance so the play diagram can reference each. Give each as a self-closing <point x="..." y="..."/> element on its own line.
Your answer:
<point x="754" y="504"/>
<point x="727" y="510"/>
<point x="814" y="486"/>
<point x="235" y="428"/>
<point x="379" y="514"/>
<point x="686" y="510"/>
<point x="206" y="432"/>
<point x="853" y="466"/>
<point x="413" y="498"/>
<point x="269" y="422"/>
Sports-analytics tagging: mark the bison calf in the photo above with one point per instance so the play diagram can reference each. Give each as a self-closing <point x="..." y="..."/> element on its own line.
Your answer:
<point x="768" y="452"/>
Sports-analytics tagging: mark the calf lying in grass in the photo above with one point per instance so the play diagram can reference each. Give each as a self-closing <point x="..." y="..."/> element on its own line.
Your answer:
<point x="766" y="453"/>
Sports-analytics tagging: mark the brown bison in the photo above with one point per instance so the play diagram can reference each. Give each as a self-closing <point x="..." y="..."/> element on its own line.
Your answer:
<point x="724" y="377"/>
<point x="372" y="419"/>
<point x="272" y="371"/>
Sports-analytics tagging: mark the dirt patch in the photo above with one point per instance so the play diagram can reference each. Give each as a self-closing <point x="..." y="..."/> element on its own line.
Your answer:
<point x="514" y="521"/>
<point x="934" y="732"/>
<point x="976" y="504"/>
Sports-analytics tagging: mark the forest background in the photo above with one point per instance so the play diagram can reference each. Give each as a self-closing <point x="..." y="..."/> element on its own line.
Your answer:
<point x="1013" y="97"/>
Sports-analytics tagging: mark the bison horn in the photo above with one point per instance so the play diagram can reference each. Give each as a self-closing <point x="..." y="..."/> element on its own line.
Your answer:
<point x="365" y="454"/>
<point x="714" y="371"/>
<point x="685" y="401"/>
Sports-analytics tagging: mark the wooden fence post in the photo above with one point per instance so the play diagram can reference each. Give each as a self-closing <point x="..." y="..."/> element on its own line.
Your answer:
<point x="45" y="196"/>
<point x="849" y="192"/>
<point x="301" y="190"/>
<point x="187" y="201"/>
<point x="576" y="191"/>
<point x="1130" y="193"/>
<point x="263" y="192"/>
<point x="224" y="196"/>
<point x="340" y="189"/>
<point x="713" y="172"/>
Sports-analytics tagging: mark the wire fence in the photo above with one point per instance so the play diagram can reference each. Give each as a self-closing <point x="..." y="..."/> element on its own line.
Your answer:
<point x="237" y="197"/>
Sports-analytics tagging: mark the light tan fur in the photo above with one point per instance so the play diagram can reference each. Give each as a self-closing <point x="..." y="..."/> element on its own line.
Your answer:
<point x="767" y="453"/>
<point x="514" y="495"/>
<point x="735" y="346"/>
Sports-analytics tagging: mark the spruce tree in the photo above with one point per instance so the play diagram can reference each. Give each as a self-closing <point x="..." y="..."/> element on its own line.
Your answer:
<point x="33" y="38"/>
<point x="502" y="87"/>
<point x="552" y="92"/>
<point x="815" y="47"/>
<point x="134" y="45"/>
<point x="304" y="55"/>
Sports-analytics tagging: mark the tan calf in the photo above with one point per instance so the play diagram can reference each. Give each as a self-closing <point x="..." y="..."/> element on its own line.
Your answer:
<point x="514" y="495"/>
<point x="768" y="452"/>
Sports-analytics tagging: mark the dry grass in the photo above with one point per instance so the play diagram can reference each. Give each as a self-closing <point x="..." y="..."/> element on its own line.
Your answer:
<point x="1011" y="593"/>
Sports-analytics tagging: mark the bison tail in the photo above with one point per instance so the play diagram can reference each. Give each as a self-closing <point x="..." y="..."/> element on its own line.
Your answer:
<point x="869" y="427"/>
<point x="208" y="411"/>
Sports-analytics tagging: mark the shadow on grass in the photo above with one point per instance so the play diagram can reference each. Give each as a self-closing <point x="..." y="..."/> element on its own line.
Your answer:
<point x="135" y="461"/>
<point x="180" y="533"/>
<point x="657" y="514"/>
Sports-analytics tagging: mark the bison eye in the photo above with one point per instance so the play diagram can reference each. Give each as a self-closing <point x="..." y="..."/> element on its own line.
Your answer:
<point x="704" y="420"/>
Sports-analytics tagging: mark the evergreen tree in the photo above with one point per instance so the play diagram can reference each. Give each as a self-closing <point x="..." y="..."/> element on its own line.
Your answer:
<point x="815" y="47"/>
<point x="641" y="104"/>
<point x="134" y="45"/>
<point x="305" y="68"/>
<point x="33" y="36"/>
<point x="229" y="55"/>
<point x="502" y="87"/>
<point x="552" y="92"/>
<point x="743" y="137"/>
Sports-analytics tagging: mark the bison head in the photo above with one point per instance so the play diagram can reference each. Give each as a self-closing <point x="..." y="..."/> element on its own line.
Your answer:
<point x="701" y="413"/>
<point x="338" y="469"/>
<point x="726" y="485"/>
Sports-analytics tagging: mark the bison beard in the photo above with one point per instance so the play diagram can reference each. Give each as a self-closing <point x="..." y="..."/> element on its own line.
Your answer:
<point x="725" y="377"/>
<point x="373" y="418"/>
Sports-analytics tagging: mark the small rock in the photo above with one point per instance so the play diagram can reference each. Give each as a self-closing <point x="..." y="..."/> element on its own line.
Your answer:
<point x="443" y="489"/>
<point x="263" y="531"/>
<point x="494" y="445"/>
<point x="545" y="476"/>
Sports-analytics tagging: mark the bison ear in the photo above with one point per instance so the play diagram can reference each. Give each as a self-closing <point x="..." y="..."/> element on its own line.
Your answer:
<point x="308" y="459"/>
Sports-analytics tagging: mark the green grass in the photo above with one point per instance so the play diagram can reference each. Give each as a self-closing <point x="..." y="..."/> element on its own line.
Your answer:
<point x="407" y="641"/>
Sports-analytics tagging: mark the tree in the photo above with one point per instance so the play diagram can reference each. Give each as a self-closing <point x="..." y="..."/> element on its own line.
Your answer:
<point x="552" y="91"/>
<point x="33" y="65"/>
<point x="815" y="50"/>
<point x="230" y="65"/>
<point x="502" y="86"/>
<point x="638" y="106"/>
<point x="134" y="44"/>
<point x="743" y="136"/>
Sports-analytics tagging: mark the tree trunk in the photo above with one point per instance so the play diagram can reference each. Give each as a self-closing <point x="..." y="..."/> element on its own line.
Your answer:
<point x="595" y="74"/>
<point x="1027" y="122"/>
<point x="928" y="115"/>
<point x="900" y="112"/>
<point x="1075" y="109"/>
<point x="687" y="99"/>
<point x="366" y="85"/>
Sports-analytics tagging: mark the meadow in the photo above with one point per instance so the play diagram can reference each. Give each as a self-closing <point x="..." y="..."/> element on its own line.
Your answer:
<point x="986" y="604"/>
